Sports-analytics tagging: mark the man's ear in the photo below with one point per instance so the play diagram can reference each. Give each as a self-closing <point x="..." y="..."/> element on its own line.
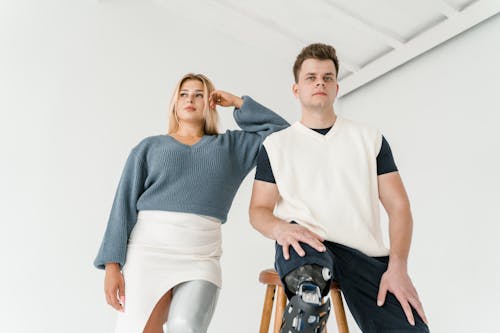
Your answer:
<point x="295" y="90"/>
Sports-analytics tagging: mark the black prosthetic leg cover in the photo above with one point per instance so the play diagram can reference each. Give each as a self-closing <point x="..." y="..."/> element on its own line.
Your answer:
<point x="304" y="317"/>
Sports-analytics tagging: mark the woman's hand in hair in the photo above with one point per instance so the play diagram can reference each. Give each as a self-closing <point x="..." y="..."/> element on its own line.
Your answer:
<point x="223" y="98"/>
<point x="114" y="287"/>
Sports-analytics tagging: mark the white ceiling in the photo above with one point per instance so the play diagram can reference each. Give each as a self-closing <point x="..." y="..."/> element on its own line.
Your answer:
<point x="371" y="37"/>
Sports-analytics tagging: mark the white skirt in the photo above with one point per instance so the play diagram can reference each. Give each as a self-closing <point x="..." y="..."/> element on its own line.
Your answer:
<point x="165" y="249"/>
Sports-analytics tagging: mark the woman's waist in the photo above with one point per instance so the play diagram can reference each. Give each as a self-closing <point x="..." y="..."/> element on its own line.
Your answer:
<point x="175" y="230"/>
<point x="179" y="218"/>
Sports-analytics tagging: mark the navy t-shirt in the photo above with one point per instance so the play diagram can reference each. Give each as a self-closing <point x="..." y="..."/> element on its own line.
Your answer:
<point x="385" y="160"/>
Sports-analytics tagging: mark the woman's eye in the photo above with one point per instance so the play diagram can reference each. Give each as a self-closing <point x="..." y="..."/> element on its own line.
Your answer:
<point x="199" y="95"/>
<point x="183" y="94"/>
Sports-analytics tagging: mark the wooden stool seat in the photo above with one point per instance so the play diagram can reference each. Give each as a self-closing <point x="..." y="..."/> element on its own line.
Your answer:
<point x="270" y="278"/>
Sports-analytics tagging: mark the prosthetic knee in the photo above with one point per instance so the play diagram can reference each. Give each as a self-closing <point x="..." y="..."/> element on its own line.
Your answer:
<point x="306" y="313"/>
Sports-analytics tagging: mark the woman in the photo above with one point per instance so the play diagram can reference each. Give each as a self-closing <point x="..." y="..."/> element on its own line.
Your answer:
<point x="162" y="244"/>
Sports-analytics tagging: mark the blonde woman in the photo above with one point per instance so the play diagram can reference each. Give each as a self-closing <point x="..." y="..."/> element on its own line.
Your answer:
<point x="162" y="244"/>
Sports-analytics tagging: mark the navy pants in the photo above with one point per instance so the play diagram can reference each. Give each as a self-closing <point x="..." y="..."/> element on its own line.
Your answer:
<point x="359" y="277"/>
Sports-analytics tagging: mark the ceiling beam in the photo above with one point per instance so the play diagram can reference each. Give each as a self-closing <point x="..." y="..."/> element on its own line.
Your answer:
<point x="446" y="9"/>
<point x="467" y="18"/>
<point x="384" y="35"/>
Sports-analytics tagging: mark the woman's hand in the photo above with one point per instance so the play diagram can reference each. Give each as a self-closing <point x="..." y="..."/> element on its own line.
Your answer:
<point x="114" y="287"/>
<point x="223" y="98"/>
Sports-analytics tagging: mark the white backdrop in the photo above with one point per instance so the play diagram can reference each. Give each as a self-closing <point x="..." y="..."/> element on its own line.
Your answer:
<point x="83" y="83"/>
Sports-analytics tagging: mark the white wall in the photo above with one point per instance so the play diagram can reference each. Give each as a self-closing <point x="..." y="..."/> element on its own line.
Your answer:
<point x="81" y="83"/>
<point x="439" y="113"/>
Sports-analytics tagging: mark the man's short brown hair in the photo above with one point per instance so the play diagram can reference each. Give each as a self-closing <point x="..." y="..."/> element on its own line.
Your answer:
<point x="315" y="51"/>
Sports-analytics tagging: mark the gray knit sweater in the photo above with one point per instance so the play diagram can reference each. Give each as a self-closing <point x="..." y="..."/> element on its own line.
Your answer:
<point x="163" y="174"/>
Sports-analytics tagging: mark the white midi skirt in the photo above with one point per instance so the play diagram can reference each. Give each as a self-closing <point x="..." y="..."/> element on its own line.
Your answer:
<point x="165" y="249"/>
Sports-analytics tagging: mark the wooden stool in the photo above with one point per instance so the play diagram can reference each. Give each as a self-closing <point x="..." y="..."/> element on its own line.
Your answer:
<point x="270" y="278"/>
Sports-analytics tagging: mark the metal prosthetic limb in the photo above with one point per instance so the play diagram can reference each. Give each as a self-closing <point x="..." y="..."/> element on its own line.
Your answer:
<point x="306" y="313"/>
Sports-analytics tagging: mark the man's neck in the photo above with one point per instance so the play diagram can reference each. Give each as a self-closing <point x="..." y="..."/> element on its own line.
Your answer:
<point x="318" y="119"/>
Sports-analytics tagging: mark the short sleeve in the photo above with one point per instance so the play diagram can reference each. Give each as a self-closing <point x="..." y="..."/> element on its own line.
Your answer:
<point x="264" y="171"/>
<point x="385" y="160"/>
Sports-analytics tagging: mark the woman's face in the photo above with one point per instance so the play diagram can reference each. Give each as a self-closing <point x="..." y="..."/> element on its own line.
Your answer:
<point x="191" y="102"/>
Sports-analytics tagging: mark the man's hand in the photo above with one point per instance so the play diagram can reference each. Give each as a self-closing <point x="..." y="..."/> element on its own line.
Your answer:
<point x="287" y="234"/>
<point x="114" y="287"/>
<point x="223" y="98"/>
<point x="397" y="281"/>
<point x="264" y="198"/>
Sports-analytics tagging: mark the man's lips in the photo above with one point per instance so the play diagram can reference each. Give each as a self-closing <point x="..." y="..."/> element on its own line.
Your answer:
<point x="319" y="93"/>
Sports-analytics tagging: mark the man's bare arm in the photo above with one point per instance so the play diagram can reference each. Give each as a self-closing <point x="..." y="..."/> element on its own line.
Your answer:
<point x="264" y="198"/>
<point x="393" y="196"/>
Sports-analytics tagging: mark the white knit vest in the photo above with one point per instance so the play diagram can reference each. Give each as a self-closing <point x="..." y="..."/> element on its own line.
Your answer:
<point x="328" y="183"/>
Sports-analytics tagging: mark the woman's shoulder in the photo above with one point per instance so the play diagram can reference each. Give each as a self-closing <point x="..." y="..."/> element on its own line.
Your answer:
<point x="148" y="142"/>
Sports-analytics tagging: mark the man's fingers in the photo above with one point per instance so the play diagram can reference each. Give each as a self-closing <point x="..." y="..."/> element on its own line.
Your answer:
<point x="406" y="308"/>
<point x="286" y="251"/>
<point x="417" y="305"/>
<point x="312" y="239"/>
<point x="314" y="242"/>
<point x="318" y="237"/>
<point x="300" y="251"/>
<point x="296" y="234"/>
<point x="382" y="293"/>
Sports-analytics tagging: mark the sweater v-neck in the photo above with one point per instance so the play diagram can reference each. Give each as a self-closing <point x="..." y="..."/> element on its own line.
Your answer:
<point x="199" y="143"/>
<point x="318" y="136"/>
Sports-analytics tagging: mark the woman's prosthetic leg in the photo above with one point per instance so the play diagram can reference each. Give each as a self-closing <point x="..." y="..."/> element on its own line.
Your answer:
<point x="305" y="312"/>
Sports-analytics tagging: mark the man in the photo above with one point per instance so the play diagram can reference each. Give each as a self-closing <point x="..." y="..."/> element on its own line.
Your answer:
<point x="323" y="177"/>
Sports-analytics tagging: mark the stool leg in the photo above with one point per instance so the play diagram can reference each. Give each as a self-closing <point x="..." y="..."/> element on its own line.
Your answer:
<point x="338" y="307"/>
<point x="280" y="309"/>
<point x="268" y="308"/>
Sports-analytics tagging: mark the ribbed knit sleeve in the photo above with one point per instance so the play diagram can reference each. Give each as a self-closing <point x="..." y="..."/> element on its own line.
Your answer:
<point x="257" y="122"/>
<point x="123" y="214"/>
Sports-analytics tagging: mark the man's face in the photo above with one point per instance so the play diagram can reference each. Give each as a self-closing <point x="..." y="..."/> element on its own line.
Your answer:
<point x="317" y="84"/>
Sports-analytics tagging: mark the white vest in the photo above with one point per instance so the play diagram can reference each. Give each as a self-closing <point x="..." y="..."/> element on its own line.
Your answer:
<point x="328" y="183"/>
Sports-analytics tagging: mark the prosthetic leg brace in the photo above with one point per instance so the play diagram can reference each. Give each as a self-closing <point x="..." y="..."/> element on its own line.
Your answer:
<point x="305" y="312"/>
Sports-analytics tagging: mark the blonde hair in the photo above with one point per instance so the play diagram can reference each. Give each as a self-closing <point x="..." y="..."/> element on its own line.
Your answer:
<point x="211" y="116"/>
